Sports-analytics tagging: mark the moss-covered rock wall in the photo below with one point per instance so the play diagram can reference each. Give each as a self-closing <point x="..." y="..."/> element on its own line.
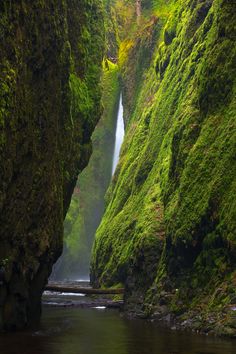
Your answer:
<point x="169" y="231"/>
<point x="50" y="59"/>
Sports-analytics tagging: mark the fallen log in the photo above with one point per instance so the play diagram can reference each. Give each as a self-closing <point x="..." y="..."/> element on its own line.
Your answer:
<point x="85" y="304"/>
<point x="80" y="290"/>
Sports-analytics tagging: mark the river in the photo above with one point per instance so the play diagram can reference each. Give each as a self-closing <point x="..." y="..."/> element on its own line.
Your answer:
<point x="68" y="330"/>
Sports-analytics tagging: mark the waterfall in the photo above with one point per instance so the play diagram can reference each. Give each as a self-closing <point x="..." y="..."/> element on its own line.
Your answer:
<point x="120" y="132"/>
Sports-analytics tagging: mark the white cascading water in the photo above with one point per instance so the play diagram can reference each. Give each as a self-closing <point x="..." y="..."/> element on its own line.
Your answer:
<point x="120" y="132"/>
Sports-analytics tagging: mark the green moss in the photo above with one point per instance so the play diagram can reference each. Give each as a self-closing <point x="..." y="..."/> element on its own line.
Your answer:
<point x="172" y="196"/>
<point x="50" y="67"/>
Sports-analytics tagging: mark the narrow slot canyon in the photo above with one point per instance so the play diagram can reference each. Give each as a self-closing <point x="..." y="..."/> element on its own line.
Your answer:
<point x="117" y="171"/>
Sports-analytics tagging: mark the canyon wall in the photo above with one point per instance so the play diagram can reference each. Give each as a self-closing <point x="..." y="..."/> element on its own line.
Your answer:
<point x="169" y="230"/>
<point x="50" y="60"/>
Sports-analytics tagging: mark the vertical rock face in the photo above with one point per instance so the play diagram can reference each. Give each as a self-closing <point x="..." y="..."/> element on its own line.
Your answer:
<point x="50" y="60"/>
<point x="169" y="231"/>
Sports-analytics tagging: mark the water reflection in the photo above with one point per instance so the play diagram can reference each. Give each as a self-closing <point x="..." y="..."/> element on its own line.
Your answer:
<point x="91" y="331"/>
<point x="158" y="340"/>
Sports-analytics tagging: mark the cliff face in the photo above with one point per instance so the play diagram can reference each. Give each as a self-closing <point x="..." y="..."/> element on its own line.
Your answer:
<point x="169" y="231"/>
<point x="50" y="61"/>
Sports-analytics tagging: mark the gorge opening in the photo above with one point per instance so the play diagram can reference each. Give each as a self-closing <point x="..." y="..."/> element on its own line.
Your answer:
<point x="87" y="206"/>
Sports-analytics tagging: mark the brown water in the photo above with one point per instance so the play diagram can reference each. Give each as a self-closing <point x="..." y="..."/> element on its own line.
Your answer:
<point x="93" y="331"/>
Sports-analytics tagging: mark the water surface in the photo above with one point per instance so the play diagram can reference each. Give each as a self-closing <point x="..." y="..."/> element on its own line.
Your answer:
<point x="94" y="331"/>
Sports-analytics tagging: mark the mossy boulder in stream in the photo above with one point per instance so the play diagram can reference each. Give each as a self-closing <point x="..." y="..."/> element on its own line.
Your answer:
<point x="169" y="230"/>
<point x="50" y="63"/>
